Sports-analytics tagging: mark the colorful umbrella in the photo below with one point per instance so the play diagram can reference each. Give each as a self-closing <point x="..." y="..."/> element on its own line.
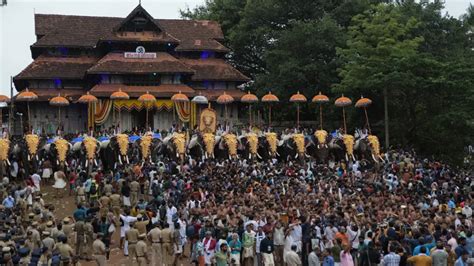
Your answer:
<point x="147" y="99"/>
<point x="27" y="96"/>
<point x="320" y="99"/>
<point x="178" y="98"/>
<point x="118" y="95"/>
<point x="364" y="103"/>
<point x="343" y="102"/>
<point x="270" y="99"/>
<point x="200" y="99"/>
<point x="250" y="99"/>
<point x="59" y="101"/>
<point x="88" y="99"/>
<point x="225" y="99"/>
<point x="298" y="98"/>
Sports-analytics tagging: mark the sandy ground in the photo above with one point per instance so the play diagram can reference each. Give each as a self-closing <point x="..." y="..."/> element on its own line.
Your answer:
<point x="65" y="205"/>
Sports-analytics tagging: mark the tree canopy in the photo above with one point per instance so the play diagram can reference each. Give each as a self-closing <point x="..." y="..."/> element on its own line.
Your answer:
<point x="421" y="56"/>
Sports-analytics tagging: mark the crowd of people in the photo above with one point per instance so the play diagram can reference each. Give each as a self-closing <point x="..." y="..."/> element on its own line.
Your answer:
<point x="409" y="210"/>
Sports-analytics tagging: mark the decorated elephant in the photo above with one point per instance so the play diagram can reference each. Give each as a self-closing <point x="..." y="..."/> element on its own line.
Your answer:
<point x="343" y="148"/>
<point x="28" y="152"/>
<point x="114" y="151"/>
<point x="202" y="145"/>
<point x="249" y="144"/>
<point x="369" y="147"/>
<point x="149" y="148"/>
<point x="86" y="150"/>
<point x="317" y="145"/>
<point x="292" y="146"/>
<point x="268" y="145"/>
<point x="226" y="146"/>
<point x="57" y="152"/>
<point x="175" y="146"/>
<point x="5" y="150"/>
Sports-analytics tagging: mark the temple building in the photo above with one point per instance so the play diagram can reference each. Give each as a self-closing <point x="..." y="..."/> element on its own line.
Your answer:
<point x="74" y="55"/>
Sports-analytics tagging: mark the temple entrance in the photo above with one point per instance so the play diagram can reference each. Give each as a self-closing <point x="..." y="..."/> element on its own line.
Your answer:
<point x="139" y="119"/>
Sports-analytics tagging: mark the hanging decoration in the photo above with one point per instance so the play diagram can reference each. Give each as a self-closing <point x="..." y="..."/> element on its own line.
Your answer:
<point x="102" y="111"/>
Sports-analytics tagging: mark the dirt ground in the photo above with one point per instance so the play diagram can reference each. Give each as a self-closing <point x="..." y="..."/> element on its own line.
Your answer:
<point x="65" y="205"/>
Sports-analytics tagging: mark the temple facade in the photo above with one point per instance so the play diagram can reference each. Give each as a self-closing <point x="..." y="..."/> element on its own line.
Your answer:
<point x="74" y="55"/>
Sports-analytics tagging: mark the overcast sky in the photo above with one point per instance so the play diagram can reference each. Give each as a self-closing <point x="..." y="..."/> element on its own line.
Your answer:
<point x="17" y="23"/>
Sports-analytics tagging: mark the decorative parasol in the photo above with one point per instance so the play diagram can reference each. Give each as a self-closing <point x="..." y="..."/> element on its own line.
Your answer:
<point x="343" y="102"/>
<point x="298" y="98"/>
<point x="27" y="96"/>
<point x="250" y="99"/>
<point x="178" y="98"/>
<point x="200" y="99"/>
<point x="270" y="99"/>
<point x="320" y="99"/>
<point x="118" y="95"/>
<point x="225" y="99"/>
<point x="88" y="99"/>
<point x="364" y="103"/>
<point x="59" y="101"/>
<point x="147" y="99"/>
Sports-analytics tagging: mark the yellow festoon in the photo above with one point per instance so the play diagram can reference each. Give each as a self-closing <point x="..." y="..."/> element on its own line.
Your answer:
<point x="4" y="149"/>
<point x="90" y="145"/>
<point x="231" y="141"/>
<point x="349" y="143"/>
<point x="122" y="140"/>
<point x="179" y="141"/>
<point x="375" y="144"/>
<point x="145" y="144"/>
<point x="252" y="140"/>
<point x="321" y="136"/>
<point x="62" y="147"/>
<point x="32" y="142"/>
<point x="209" y="141"/>
<point x="272" y="140"/>
<point x="299" y="142"/>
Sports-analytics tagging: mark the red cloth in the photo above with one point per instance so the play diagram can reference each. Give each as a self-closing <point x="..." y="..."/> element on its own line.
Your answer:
<point x="212" y="245"/>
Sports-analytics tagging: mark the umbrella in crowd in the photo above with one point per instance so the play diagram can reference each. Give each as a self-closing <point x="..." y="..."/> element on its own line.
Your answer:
<point x="320" y="99"/>
<point x="27" y="96"/>
<point x="200" y="99"/>
<point x="178" y="98"/>
<point x="298" y="98"/>
<point x="118" y="95"/>
<point x="88" y="99"/>
<point x="270" y="99"/>
<point x="364" y="103"/>
<point x="4" y="98"/>
<point x="147" y="99"/>
<point x="250" y="99"/>
<point x="59" y="101"/>
<point x="225" y="99"/>
<point x="343" y="102"/>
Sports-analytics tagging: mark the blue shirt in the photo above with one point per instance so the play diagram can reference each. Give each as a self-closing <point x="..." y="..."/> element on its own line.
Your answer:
<point x="428" y="247"/>
<point x="80" y="214"/>
<point x="9" y="202"/>
<point x="460" y="262"/>
<point x="328" y="261"/>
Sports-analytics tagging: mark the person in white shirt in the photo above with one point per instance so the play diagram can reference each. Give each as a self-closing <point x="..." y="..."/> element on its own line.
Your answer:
<point x="279" y="242"/>
<point x="126" y="220"/>
<point x="297" y="235"/>
<point x="329" y="232"/>
<point x="170" y="212"/>
<point x="258" y="239"/>
<point x="36" y="178"/>
<point x="313" y="259"/>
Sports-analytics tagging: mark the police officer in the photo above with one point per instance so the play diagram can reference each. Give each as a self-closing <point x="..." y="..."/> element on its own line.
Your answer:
<point x="166" y="244"/>
<point x="155" y="238"/>
<point x="89" y="237"/>
<point x="142" y="250"/>
<point x="134" y="188"/>
<point x="99" y="250"/>
<point x="131" y="236"/>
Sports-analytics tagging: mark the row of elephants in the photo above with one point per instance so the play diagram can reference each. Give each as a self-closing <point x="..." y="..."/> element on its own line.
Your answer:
<point x="31" y="150"/>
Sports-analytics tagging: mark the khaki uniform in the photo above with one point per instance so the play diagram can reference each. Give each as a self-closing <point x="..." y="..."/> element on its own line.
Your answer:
<point x="80" y="230"/>
<point x="134" y="188"/>
<point x="156" y="255"/>
<point x="99" y="250"/>
<point x="89" y="235"/>
<point x="81" y="195"/>
<point x="49" y="243"/>
<point x="141" y="226"/>
<point x="115" y="203"/>
<point x="142" y="250"/>
<point x="68" y="230"/>
<point x="167" y="246"/>
<point x="35" y="238"/>
<point x="65" y="251"/>
<point x="132" y="237"/>
<point x="108" y="188"/>
<point x="105" y="202"/>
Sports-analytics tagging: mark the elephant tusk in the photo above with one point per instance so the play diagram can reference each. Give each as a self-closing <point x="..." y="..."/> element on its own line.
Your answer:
<point x="28" y="157"/>
<point x="277" y="154"/>
<point x="8" y="162"/>
<point x="258" y="155"/>
<point x="95" y="162"/>
<point x="347" y="157"/>
<point x="65" y="163"/>
<point x="307" y="156"/>
<point x="143" y="162"/>
<point x="115" y="165"/>
<point x="269" y="153"/>
<point x="120" y="159"/>
<point x="126" y="157"/>
<point x="37" y="157"/>
<point x="373" y="157"/>
<point x="250" y="156"/>
<point x="57" y="161"/>
<point x="318" y="147"/>
<point x="353" y="157"/>
<point x="296" y="156"/>
<point x="87" y="162"/>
